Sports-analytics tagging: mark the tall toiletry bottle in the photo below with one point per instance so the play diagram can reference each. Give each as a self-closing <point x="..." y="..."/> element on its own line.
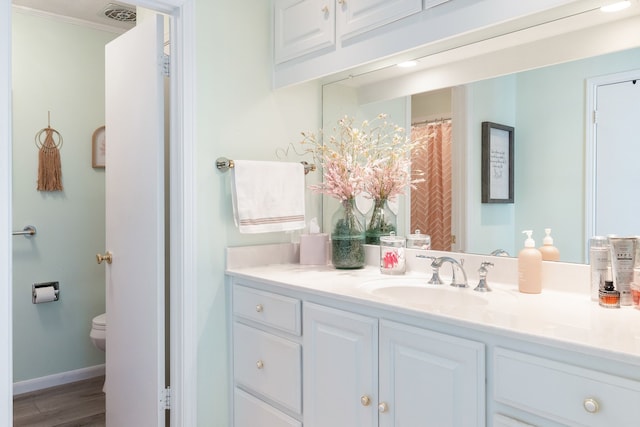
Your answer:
<point x="548" y="251"/>
<point x="599" y="264"/>
<point x="529" y="267"/>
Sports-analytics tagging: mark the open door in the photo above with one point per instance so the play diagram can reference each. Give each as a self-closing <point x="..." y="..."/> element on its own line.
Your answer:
<point x="135" y="353"/>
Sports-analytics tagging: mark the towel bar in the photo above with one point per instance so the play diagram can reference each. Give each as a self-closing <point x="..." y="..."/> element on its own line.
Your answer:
<point x="223" y="164"/>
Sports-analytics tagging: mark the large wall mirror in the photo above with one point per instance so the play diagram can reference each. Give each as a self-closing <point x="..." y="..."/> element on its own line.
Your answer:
<point x="535" y="80"/>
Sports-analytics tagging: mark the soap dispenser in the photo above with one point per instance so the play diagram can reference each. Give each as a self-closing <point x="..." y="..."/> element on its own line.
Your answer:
<point x="529" y="267"/>
<point x="548" y="251"/>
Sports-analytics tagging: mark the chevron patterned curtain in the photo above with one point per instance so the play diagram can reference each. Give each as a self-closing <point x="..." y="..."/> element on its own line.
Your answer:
<point x="431" y="200"/>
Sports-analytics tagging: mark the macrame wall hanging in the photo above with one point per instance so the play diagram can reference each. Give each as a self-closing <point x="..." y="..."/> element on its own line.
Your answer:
<point x="49" y="142"/>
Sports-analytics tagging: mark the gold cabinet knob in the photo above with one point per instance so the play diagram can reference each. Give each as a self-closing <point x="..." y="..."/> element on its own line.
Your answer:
<point x="591" y="405"/>
<point x="365" y="400"/>
<point x="383" y="407"/>
<point x="259" y="364"/>
<point x="325" y="9"/>
<point x="259" y="308"/>
<point x="107" y="257"/>
<point x="341" y="2"/>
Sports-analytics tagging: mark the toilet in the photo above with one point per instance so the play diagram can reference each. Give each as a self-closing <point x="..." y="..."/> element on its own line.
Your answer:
<point x="99" y="331"/>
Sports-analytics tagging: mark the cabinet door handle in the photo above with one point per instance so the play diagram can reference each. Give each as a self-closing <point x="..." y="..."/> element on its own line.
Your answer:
<point x="342" y="2"/>
<point x="591" y="405"/>
<point x="259" y="364"/>
<point x="259" y="308"/>
<point x="383" y="407"/>
<point x="325" y="9"/>
<point x="365" y="400"/>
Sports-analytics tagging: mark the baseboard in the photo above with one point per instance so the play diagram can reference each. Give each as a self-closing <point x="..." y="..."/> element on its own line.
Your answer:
<point x="57" y="379"/>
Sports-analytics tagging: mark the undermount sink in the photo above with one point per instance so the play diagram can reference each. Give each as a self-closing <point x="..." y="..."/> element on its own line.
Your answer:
<point x="417" y="292"/>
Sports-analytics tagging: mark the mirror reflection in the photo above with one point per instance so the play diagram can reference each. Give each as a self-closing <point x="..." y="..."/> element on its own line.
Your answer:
<point x="547" y="108"/>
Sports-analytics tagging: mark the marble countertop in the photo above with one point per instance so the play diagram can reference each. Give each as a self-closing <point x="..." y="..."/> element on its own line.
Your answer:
<point x="570" y="319"/>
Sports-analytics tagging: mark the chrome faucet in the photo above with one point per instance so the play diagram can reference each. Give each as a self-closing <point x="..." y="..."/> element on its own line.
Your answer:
<point x="437" y="263"/>
<point x="482" y="274"/>
<point x="499" y="252"/>
<point x="435" y="273"/>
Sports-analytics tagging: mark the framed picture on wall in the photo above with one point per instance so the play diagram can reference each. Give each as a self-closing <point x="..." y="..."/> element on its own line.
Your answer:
<point x="497" y="163"/>
<point x="98" y="148"/>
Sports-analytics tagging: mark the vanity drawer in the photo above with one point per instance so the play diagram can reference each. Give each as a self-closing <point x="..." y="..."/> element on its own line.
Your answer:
<point x="249" y="411"/>
<point x="269" y="365"/>
<point x="269" y="309"/>
<point x="564" y="393"/>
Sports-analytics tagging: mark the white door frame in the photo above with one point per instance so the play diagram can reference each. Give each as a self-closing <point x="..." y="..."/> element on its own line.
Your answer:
<point x="183" y="347"/>
<point x="590" y="148"/>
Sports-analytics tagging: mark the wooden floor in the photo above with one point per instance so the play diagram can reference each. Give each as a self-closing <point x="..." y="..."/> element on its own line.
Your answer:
<point x="79" y="404"/>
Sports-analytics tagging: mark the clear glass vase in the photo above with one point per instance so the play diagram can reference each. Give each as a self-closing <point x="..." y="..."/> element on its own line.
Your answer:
<point x="347" y="236"/>
<point x="381" y="221"/>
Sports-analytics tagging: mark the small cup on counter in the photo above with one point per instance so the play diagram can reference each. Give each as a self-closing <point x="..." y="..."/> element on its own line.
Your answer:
<point x="392" y="254"/>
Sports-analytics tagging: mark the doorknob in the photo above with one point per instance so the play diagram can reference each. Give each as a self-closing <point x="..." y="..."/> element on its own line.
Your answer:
<point x="107" y="257"/>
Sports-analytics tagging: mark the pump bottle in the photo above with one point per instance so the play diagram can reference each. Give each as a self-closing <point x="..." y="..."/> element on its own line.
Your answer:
<point x="548" y="251"/>
<point x="529" y="267"/>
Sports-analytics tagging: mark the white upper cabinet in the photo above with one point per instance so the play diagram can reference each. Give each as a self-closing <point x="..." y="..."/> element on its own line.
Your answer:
<point x="302" y="26"/>
<point x="354" y="17"/>
<point x="318" y="38"/>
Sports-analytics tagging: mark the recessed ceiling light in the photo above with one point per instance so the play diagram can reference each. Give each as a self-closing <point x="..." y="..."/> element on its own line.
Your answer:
<point x="407" y="64"/>
<point x="614" y="7"/>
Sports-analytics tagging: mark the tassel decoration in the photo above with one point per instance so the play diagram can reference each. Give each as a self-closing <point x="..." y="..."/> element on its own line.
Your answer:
<point x="49" y="165"/>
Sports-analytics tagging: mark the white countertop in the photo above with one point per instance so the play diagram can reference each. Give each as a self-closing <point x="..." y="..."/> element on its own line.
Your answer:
<point x="570" y="319"/>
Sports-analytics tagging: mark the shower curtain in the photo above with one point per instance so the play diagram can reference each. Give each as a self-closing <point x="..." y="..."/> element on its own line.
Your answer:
<point x="431" y="200"/>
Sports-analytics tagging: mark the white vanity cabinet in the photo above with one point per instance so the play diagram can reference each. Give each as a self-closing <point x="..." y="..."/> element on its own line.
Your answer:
<point x="306" y="26"/>
<point x="563" y="393"/>
<point x="267" y="359"/>
<point x="365" y="371"/>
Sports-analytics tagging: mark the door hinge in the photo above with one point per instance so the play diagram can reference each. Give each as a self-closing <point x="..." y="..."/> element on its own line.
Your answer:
<point x="166" y="398"/>
<point x="166" y="65"/>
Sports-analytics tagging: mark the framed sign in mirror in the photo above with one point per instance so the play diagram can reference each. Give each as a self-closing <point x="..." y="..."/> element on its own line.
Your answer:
<point x="497" y="163"/>
<point x="98" y="148"/>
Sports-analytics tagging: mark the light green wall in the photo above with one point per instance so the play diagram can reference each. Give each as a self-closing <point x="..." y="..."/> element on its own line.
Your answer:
<point x="239" y="116"/>
<point x="489" y="226"/>
<point x="550" y="153"/>
<point x="57" y="67"/>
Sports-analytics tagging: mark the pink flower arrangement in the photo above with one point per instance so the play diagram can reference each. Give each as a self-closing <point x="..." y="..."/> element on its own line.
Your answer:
<point x="373" y="159"/>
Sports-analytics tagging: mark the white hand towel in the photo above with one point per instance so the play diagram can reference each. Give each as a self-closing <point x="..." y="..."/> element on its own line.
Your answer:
<point x="267" y="196"/>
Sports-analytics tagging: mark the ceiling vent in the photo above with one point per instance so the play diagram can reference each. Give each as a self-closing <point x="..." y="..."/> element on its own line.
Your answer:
<point x="120" y="13"/>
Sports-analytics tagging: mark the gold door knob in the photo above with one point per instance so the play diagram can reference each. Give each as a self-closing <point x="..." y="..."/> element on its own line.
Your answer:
<point x="365" y="400"/>
<point x="382" y="407"/>
<point x="107" y="257"/>
<point x="259" y="364"/>
<point x="259" y="308"/>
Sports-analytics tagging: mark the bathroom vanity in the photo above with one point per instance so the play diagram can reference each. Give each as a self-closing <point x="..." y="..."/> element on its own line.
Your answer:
<point x="315" y="347"/>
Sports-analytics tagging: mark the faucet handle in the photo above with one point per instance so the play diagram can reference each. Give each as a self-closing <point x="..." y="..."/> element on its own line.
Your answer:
<point x="482" y="274"/>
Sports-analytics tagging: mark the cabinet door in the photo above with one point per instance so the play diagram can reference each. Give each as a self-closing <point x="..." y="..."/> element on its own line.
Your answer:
<point x="430" y="379"/>
<point x="357" y="16"/>
<point x="340" y="368"/>
<point x="302" y="26"/>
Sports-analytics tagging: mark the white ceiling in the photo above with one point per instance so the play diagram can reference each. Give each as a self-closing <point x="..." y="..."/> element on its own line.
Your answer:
<point x="85" y="10"/>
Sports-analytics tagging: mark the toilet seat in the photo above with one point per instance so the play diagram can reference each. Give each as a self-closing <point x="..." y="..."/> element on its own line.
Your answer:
<point x="99" y="322"/>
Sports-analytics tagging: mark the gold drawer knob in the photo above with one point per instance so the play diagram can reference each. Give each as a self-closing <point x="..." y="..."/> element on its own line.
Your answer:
<point x="259" y="364"/>
<point x="259" y="308"/>
<point x="383" y="407"/>
<point x="591" y="405"/>
<point x="365" y="400"/>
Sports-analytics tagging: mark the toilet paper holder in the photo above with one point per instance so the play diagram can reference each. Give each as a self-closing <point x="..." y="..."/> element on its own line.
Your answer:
<point x="35" y="286"/>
